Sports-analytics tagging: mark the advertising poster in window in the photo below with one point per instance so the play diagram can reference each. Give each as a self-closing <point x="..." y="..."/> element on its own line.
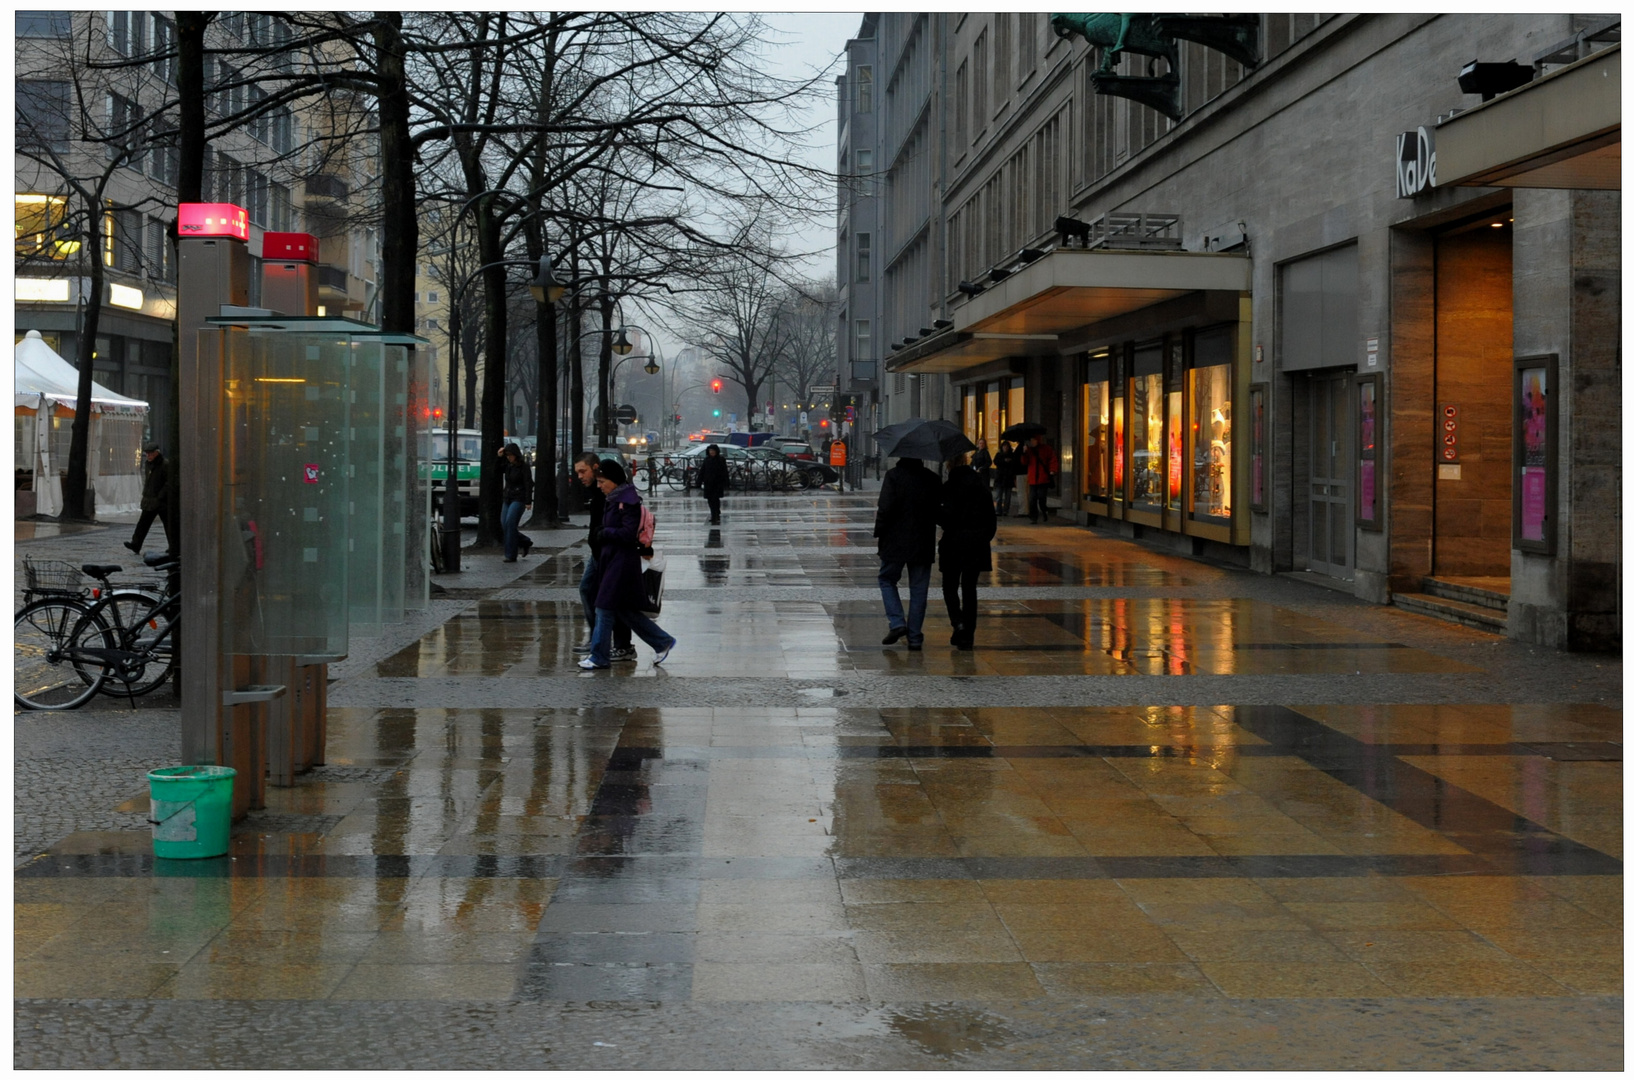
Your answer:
<point x="1117" y="448"/>
<point x="1211" y="442"/>
<point x="1534" y="452"/>
<point x="1097" y="433"/>
<point x="1177" y="449"/>
<point x="1367" y="412"/>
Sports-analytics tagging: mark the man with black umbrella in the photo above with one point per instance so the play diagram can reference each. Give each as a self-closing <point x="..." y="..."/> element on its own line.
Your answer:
<point x="905" y="526"/>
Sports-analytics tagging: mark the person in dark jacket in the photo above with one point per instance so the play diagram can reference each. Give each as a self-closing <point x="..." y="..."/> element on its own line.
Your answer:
<point x="518" y="496"/>
<point x="905" y="526"/>
<point x="982" y="462"/>
<point x="969" y="523"/>
<point x="588" y="471"/>
<point x="1005" y="467"/>
<point x="621" y="593"/>
<point x="155" y="499"/>
<point x="712" y="478"/>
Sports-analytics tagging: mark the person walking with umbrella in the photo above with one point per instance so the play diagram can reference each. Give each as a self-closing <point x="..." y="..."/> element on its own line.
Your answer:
<point x="712" y="478"/>
<point x="969" y="523"/>
<point x="905" y="523"/>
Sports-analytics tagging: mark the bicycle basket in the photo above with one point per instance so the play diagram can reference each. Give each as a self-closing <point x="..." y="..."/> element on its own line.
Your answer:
<point x="52" y="576"/>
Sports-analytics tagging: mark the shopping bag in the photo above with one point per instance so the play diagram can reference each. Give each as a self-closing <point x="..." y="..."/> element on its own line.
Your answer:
<point x="652" y="583"/>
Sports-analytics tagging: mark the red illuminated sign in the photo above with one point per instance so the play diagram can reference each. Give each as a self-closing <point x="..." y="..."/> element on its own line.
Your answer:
<point x="213" y="219"/>
<point x="289" y="247"/>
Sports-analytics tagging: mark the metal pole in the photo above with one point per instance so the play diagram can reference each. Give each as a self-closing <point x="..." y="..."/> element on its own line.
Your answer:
<point x="451" y="491"/>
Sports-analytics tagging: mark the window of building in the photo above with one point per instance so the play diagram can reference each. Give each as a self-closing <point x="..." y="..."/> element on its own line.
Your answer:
<point x="1097" y="420"/>
<point x="1210" y="386"/>
<point x="40" y="221"/>
<point x="865" y="88"/>
<point x="164" y="42"/>
<point x="864" y="349"/>
<point x="431" y="298"/>
<point x="258" y="199"/>
<point x="282" y="210"/>
<point x="864" y="256"/>
<point x="126" y="133"/>
<point x="980" y="73"/>
<point x="1027" y="42"/>
<point x="961" y="106"/>
<point x="42" y="24"/>
<point x="129" y="239"/>
<point x="1002" y="49"/>
<point x="42" y="114"/>
<point x="1318" y="304"/>
<point x="865" y="162"/>
<point x="159" y="263"/>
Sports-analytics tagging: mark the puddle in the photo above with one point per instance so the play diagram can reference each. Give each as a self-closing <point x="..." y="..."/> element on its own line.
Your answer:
<point x="950" y="1031"/>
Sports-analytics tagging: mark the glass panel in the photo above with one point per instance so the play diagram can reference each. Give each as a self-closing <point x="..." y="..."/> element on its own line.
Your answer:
<point x="1211" y="442"/>
<point x="1534" y="478"/>
<point x="1097" y="436"/>
<point x="972" y="417"/>
<point x="1146" y="441"/>
<point x="992" y="407"/>
<point x="1017" y="410"/>
<point x="1366" y="478"/>
<point x="396" y="480"/>
<point x="1177" y="451"/>
<point x="284" y="521"/>
<point x="1257" y="459"/>
<point x="366" y="500"/>
<point x="417" y="522"/>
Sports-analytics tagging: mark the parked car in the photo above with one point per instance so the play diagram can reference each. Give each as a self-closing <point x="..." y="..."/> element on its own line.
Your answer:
<point x="800" y="451"/>
<point x="468" y="474"/>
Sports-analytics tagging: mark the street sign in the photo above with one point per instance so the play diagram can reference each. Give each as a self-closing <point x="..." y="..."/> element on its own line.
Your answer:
<point x="626" y="414"/>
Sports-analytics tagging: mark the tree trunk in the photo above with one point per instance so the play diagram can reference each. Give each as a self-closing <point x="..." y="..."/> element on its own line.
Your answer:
<point x="400" y="231"/>
<point x="489" y="530"/>
<point x="547" y="510"/>
<point x="604" y="408"/>
<point x="190" y="148"/>
<point x="79" y="444"/>
<point x="576" y="374"/>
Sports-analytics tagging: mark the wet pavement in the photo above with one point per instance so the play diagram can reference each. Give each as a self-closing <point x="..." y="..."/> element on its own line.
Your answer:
<point x="1165" y="815"/>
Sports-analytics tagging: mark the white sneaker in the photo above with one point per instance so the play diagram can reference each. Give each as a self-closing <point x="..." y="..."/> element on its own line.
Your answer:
<point x="620" y="655"/>
<point x="590" y="665"/>
<point x="663" y="654"/>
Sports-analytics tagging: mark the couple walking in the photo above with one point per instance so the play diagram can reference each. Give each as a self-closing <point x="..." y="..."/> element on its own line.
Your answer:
<point x="912" y="502"/>
<point x="612" y="591"/>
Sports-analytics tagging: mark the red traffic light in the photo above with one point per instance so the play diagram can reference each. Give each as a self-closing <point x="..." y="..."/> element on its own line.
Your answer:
<point x="822" y="423"/>
<point x="715" y="385"/>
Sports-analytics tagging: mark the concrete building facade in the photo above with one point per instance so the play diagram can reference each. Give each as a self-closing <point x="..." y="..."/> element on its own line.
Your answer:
<point x="1419" y="365"/>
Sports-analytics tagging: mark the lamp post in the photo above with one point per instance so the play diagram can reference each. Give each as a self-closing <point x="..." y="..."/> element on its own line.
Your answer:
<point x="546" y="290"/>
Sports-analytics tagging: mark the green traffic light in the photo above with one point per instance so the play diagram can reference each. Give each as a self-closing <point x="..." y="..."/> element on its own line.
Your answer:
<point x="717" y="412"/>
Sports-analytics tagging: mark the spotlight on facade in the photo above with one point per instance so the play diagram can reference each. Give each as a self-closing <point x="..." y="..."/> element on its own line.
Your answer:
<point x="1029" y="254"/>
<point x="997" y="274"/>
<point x="970" y="288"/>
<point x="942" y="324"/>
<point x="1490" y="80"/>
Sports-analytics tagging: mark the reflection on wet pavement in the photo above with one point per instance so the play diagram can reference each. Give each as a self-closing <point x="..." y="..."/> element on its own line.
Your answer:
<point x="827" y="850"/>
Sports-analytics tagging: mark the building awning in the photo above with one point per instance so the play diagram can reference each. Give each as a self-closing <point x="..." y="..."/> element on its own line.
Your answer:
<point x="1564" y="130"/>
<point x="1062" y="293"/>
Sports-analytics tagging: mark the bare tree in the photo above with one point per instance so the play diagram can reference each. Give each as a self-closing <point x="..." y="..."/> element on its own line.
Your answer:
<point x="811" y="353"/>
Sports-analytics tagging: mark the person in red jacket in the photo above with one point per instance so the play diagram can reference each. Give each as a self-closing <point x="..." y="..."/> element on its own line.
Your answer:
<point x="1040" y="462"/>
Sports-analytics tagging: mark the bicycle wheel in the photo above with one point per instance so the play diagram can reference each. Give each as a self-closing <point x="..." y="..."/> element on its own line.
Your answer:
<point x="675" y="476"/>
<point x="142" y="628"/>
<point x="47" y="670"/>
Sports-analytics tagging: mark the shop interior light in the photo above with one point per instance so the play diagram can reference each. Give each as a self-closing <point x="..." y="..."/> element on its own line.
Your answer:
<point x="41" y="290"/>
<point x="124" y="296"/>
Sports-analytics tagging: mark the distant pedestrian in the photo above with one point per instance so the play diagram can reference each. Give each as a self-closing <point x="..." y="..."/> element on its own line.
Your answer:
<point x="1040" y="462"/>
<point x="905" y="526"/>
<point x="1005" y="468"/>
<point x="969" y="523"/>
<point x="712" y="478"/>
<point x="518" y="496"/>
<point x="588" y="471"/>
<point x="621" y="594"/>
<point x="982" y="462"/>
<point x="155" y="499"/>
<point x="652" y="472"/>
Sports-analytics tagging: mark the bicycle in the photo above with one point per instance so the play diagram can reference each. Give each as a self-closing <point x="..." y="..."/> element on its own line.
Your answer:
<point x="66" y="650"/>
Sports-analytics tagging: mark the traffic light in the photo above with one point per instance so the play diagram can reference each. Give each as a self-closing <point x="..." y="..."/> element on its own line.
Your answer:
<point x="717" y="413"/>
<point x="715" y="385"/>
<point x="822" y="423"/>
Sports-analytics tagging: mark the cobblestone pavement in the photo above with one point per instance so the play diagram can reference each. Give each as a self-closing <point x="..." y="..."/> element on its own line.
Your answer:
<point x="1166" y="815"/>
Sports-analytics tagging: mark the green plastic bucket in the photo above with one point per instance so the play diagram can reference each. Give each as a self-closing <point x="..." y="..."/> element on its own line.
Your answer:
<point x="191" y="810"/>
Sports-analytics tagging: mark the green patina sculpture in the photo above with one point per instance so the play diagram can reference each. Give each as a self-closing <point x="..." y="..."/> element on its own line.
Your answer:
<point x="1116" y="34"/>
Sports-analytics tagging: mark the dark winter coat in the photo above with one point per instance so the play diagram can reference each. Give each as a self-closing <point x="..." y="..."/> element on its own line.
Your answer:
<point x="905" y="523"/>
<point x="518" y="482"/>
<point x="1006" y="465"/>
<point x="598" y="509"/>
<point x="155" y="483"/>
<point x="621" y="587"/>
<point x="968" y="522"/>
<point x="712" y="475"/>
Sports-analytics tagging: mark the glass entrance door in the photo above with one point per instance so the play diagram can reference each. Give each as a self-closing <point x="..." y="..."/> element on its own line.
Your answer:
<point x="1331" y="533"/>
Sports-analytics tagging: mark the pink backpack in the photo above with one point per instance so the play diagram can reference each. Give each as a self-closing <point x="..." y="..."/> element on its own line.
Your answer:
<point x="648" y="525"/>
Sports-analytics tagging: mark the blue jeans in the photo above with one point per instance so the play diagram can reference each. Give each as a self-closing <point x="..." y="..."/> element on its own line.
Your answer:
<point x="511" y="520"/>
<point x="588" y="584"/>
<point x="918" y="589"/>
<point x="601" y="639"/>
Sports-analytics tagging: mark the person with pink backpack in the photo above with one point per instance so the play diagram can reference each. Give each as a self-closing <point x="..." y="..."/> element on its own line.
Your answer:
<point x="621" y="597"/>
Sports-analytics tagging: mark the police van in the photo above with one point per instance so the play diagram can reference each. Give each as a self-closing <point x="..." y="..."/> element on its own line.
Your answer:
<point x="468" y="466"/>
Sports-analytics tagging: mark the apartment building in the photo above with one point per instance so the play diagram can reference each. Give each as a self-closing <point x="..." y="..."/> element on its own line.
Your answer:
<point x="1247" y="219"/>
<point x="87" y="82"/>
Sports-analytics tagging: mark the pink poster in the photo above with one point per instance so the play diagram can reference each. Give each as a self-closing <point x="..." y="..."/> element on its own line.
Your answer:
<point x="1368" y="501"/>
<point x="1534" y="501"/>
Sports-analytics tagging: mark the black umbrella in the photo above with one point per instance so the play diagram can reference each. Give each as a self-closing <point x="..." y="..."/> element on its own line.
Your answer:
<point x="927" y="440"/>
<point x="1021" y="432"/>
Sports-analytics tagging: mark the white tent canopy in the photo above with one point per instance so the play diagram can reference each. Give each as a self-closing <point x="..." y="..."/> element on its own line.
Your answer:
<point x="46" y="390"/>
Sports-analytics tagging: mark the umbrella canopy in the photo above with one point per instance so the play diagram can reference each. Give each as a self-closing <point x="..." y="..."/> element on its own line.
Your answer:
<point x="927" y="440"/>
<point x="1022" y="432"/>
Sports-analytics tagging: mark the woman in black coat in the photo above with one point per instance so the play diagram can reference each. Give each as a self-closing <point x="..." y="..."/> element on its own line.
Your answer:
<point x="712" y="478"/>
<point x="969" y="524"/>
<point x="621" y="593"/>
<point x="518" y="496"/>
